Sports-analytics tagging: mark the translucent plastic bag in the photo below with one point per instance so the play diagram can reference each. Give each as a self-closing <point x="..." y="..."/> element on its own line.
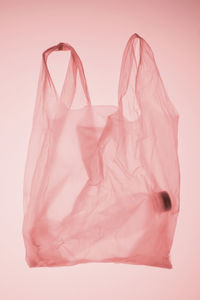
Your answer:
<point x="102" y="182"/>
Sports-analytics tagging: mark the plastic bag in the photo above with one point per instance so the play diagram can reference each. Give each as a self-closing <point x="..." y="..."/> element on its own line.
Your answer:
<point x="102" y="182"/>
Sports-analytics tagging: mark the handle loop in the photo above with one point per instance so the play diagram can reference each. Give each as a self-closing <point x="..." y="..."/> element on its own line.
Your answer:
<point x="126" y="67"/>
<point x="75" y="63"/>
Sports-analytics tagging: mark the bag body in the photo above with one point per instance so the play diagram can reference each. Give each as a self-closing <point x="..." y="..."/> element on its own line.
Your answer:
<point x="102" y="182"/>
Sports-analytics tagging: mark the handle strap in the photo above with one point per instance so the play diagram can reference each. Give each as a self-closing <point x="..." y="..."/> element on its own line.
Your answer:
<point x="74" y="65"/>
<point x="126" y="67"/>
<point x="148" y="82"/>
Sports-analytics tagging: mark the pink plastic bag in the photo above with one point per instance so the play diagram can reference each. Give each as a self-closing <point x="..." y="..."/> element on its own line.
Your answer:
<point x="102" y="182"/>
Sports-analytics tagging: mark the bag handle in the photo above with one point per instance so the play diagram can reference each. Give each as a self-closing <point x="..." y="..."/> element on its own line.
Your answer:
<point x="74" y="65"/>
<point x="147" y="79"/>
<point x="126" y="67"/>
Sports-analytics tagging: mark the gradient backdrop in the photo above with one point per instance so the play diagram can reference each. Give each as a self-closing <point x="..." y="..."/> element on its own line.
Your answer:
<point x="98" y="30"/>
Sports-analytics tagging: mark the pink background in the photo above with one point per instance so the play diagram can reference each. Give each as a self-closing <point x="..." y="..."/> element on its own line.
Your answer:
<point x="98" y="30"/>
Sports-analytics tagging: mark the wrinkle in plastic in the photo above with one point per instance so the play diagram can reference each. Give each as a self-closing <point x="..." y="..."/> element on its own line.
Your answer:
<point x="102" y="182"/>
